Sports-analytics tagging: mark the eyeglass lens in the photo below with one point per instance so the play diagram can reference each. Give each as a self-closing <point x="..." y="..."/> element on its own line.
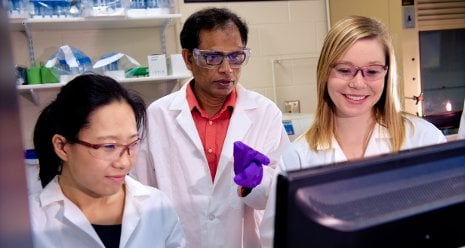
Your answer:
<point x="212" y="59"/>
<point x="370" y="73"/>
<point x="111" y="152"/>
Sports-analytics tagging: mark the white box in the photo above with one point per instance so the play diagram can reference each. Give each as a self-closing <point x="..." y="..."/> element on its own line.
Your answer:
<point x="176" y="65"/>
<point x="157" y="65"/>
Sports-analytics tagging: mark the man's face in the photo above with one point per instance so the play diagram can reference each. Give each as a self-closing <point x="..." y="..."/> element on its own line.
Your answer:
<point x="216" y="81"/>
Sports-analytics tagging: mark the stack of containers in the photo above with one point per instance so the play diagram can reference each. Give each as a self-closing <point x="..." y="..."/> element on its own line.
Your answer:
<point x="16" y="8"/>
<point x="49" y="9"/>
<point x="140" y="8"/>
<point x="96" y="8"/>
<point x="68" y="62"/>
<point x="55" y="8"/>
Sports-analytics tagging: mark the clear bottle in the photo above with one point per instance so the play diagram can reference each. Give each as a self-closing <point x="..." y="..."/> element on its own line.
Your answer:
<point x="85" y="64"/>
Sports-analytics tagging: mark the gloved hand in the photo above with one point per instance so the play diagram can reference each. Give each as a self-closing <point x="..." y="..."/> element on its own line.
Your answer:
<point x="248" y="165"/>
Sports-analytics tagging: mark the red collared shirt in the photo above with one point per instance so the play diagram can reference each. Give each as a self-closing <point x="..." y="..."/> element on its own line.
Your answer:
<point x="212" y="130"/>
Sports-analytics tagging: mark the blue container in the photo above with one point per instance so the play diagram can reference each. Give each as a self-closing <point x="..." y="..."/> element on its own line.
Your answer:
<point x="30" y="154"/>
<point x="17" y="8"/>
<point x="55" y="8"/>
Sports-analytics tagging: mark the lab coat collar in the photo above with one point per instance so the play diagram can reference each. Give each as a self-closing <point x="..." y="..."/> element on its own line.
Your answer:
<point x="380" y="133"/>
<point x="70" y="213"/>
<point x="240" y="122"/>
<point x="134" y="200"/>
<point x="184" y="116"/>
<point x="51" y="193"/>
<point x="180" y="102"/>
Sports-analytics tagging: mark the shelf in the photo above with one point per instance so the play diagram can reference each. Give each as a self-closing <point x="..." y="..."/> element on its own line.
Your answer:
<point x="116" y="22"/>
<point x="29" y="91"/>
<point x="151" y="79"/>
<point x="134" y="19"/>
<point x="26" y="88"/>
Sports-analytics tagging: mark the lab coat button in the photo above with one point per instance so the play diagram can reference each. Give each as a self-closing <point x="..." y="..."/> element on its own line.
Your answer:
<point x="211" y="217"/>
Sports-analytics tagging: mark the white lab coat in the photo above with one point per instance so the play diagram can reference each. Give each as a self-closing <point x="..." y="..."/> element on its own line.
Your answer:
<point x="149" y="220"/>
<point x="300" y="156"/>
<point x="461" y="131"/>
<point x="172" y="159"/>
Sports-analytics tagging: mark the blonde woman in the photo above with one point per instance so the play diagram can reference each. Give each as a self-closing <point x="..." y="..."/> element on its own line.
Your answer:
<point x="358" y="112"/>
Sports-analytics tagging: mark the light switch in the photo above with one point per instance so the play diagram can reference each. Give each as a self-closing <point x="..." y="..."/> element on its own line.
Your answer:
<point x="408" y="15"/>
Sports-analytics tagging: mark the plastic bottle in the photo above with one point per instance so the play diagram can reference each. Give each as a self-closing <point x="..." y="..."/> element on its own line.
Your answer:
<point x="32" y="171"/>
<point x="85" y="64"/>
<point x="16" y="9"/>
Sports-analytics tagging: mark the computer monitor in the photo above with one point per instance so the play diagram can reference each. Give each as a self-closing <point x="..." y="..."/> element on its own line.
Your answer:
<point x="413" y="198"/>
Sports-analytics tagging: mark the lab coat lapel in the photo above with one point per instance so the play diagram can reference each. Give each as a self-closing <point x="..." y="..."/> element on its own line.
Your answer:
<point x="132" y="212"/>
<point x="74" y="216"/>
<point x="184" y="118"/>
<point x="238" y="127"/>
<point x="69" y="215"/>
<point x="380" y="141"/>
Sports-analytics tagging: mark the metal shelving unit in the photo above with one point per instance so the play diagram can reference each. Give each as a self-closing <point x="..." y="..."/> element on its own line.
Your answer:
<point x="95" y="23"/>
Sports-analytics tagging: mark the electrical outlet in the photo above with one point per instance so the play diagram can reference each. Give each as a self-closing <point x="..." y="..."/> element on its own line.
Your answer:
<point x="292" y="106"/>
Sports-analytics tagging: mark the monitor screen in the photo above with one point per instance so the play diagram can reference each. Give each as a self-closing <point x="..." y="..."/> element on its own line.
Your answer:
<point x="413" y="198"/>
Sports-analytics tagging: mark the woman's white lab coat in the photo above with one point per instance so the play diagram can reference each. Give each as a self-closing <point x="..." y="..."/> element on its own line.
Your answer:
<point x="300" y="156"/>
<point x="172" y="159"/>
<point x="149" y="220"/>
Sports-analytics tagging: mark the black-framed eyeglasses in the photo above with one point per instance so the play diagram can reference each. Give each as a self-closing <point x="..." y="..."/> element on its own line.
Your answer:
<point x="211" y="59"/>
<point x="370" y="73"/>
<point x="111" y="151"/>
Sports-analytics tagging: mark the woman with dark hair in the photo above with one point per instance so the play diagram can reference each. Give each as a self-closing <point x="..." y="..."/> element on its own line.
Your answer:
<point x="87" y="140"/>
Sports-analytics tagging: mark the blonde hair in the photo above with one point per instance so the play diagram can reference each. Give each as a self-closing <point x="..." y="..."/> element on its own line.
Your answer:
<point x="387" y="110"/>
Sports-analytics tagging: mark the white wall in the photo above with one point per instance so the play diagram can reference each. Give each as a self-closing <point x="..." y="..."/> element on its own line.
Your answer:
<point x="285" y="38"/>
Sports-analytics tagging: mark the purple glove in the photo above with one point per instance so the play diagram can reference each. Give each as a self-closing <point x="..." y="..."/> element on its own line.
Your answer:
<point x="248" y="165"/>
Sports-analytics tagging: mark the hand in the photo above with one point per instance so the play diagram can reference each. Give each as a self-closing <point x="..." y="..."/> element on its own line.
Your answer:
<point x="248" y="165"/>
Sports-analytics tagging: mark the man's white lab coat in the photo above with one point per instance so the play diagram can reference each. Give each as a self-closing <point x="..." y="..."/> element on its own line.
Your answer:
<point x="172" y="159"/>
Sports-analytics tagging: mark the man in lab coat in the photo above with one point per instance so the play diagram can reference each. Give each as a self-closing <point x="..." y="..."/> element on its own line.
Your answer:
<point x="188" y="150"/>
